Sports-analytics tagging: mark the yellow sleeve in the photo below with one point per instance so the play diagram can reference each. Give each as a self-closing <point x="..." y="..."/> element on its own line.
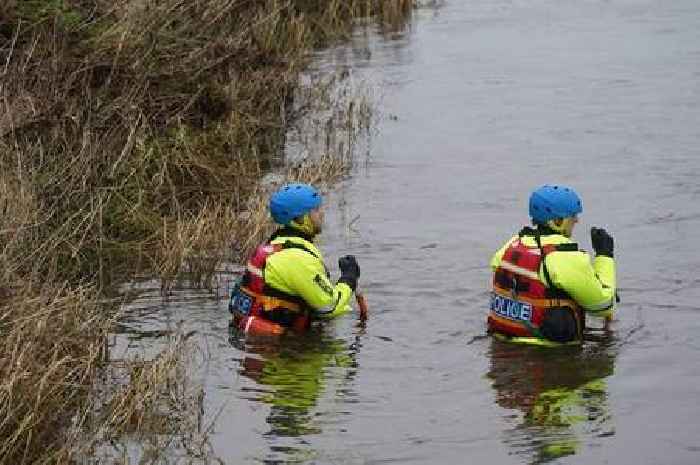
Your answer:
<point x="498" y="256"/>
<point x="299" y="273"/>
<point x="605" y="270"/>
<point x="592" y="287"/>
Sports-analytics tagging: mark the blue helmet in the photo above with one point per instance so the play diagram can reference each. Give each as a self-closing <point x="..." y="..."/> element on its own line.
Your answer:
<point x="292" y="201"/>
<point x="550" y="202"/>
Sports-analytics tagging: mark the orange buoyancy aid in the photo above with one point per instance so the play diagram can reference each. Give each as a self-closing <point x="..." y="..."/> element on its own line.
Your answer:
<point x="258" y="307"/>
<point x="523" y="306"/>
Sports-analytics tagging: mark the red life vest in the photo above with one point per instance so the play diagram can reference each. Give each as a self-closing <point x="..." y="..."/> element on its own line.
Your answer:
<point x="261" y="309"/>
<point x="522" y="305"/>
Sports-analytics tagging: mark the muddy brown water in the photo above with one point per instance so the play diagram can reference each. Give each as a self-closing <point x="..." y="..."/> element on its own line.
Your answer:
<point x="482" y="101"/>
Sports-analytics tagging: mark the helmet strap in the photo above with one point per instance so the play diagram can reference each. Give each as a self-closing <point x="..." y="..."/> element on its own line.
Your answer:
<point x="304" y="224"/>
<point x="556" y="225"/>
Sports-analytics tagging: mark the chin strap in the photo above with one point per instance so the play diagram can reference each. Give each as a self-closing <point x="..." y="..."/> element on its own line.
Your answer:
<point x="551" y="225"/>
<point x="306" y="226"/>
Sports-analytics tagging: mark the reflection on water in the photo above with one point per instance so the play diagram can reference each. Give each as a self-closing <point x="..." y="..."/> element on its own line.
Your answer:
<point x="292" y="372"/>
<point x="561" y="396"/>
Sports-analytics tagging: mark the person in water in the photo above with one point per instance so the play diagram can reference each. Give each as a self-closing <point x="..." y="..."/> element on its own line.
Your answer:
<point x="543" y="284"/>
<point x="286" y="284"/>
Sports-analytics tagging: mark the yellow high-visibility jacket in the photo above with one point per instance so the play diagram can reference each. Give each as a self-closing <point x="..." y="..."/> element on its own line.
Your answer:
<point x="299" y="273"/>
<point x="591" y="286"/>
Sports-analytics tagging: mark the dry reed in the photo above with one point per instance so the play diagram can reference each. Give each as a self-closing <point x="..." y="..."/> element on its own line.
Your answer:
<point x="52" y="345"/>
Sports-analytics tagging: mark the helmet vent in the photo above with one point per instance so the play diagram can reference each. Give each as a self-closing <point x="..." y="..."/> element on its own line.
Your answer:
<point x="293" y="200"/>
<point x="553" y="201"/>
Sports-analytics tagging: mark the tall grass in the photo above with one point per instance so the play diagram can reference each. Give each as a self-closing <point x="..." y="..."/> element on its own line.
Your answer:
<point x="126" y="112"/>
<point x="52" y="345"/>
<point x="133" y="135"/>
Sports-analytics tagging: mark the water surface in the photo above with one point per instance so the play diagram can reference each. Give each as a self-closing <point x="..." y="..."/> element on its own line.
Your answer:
<point x="481" y="102"/>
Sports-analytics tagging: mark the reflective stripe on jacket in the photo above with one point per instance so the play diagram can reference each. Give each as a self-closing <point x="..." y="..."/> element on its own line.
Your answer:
<point x="522" y="305"/>
<point x="253" y="302"/>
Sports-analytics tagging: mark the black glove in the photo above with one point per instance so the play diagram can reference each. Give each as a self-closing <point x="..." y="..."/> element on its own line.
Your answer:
<point x="603" y="243"/>
<point x="349" y="271"/>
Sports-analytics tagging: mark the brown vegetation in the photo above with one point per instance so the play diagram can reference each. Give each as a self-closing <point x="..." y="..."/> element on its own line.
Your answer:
<point x="52" y="345"/>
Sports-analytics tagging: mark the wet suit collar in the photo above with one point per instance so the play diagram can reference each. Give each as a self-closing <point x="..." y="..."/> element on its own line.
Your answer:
<point x="286" y="233"/>
<point x="291" y="232"/>
<point x="541" y="230"/>
<point x="566" y="244"/>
